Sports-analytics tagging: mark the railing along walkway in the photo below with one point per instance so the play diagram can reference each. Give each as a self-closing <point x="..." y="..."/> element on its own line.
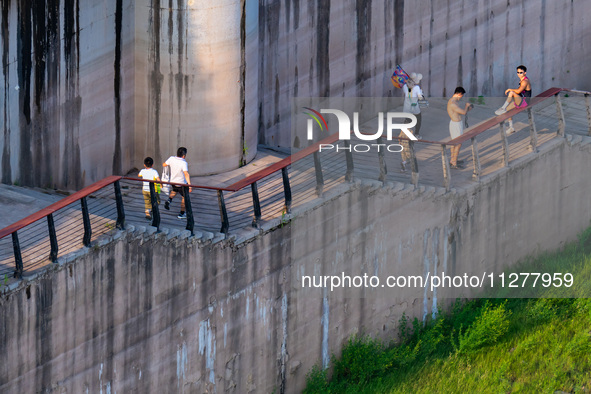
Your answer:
<point x="272" y="185"/>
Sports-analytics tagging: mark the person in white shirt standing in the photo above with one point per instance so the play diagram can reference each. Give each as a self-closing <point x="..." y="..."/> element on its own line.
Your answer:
<point x="179" y="173"/>
<point x="412" y="95"/>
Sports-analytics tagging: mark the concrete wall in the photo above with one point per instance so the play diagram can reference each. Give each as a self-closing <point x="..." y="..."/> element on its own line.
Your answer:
<point x="103" y="84"/>
<point x="192" y="87"/>
<point x="158" y="313"/>
<point x="67" y="102"/>
<point x="90" y="88"/>
<point x="318" y="48"/>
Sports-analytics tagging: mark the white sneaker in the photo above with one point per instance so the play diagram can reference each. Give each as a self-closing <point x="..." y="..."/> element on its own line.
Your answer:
<point x="510" y="130"/>
<point x="500" y="111"/>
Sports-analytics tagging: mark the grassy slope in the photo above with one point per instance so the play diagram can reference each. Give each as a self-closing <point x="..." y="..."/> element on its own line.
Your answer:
<point x="497" y="345"/>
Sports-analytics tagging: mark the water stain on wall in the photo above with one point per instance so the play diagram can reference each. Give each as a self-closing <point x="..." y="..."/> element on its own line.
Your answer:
<point x="322" y="48"/>
<point x="39" y="62"/>
<point x="180" y="76"/>
<point x="117" y="87"/>
<point x="6" y="169"/>
<point x="24" y="63"/>
<point x="178" y="81"/>
<point x="363" y="28"/>
<point x="388" y="34"/>
<point x="155" y="83"/>
<point x="474" y="62"/>
<point x="242" y="147"/>
<point x="269" y="73"/>
<point x="71" y="171"/>
<point x="398" y="29"/>
<point x="43" y="330"/>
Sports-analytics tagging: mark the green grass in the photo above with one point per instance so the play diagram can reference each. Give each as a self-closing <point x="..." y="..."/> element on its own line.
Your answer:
<point x="495" y="345"/>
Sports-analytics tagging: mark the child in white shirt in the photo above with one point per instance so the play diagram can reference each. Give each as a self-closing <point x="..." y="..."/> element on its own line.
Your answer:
<point x="150" y="174"/>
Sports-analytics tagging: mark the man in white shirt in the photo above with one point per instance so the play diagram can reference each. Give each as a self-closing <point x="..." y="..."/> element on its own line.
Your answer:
<point x="179" y="173"/>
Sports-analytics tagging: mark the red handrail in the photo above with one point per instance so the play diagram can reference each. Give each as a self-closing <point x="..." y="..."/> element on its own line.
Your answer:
<point x="111" y="179"/>
<point x="176" y="184"/>
<point x="263" y="172"/>
<point x="64" y="202"/>
<point x="281" y="164"/>
<point x="234" y="187"/>
<point x="474" y="131"/>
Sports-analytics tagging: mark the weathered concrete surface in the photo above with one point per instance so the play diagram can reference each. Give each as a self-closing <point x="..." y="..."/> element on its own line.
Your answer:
<point x="90" y="88"/>
<point x="320" y="48"/>
<point x="103" y="84"/>
<point x="152" y="313"/>
<point x="67" y="91"/>
<point x="192" y="86"/>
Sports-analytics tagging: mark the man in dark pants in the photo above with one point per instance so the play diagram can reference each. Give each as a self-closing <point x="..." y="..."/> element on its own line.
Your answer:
<point x="179" y="173"/>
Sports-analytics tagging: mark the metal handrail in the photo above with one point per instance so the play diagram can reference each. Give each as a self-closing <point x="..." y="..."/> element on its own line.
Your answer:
<point x="53" y="208"/>
<point x="281" y="165"/>
<point x="82" y="195"/>
<point x="474" y="131"/>
<point x="64" y="202"/>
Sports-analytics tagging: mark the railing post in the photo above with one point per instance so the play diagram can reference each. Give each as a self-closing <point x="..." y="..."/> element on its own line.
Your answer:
<point x="256" y="205"/>
<point x="533" y="133"/>
<point x="120" y="211"/>
<point x="505" y="158"/>
<point x="414" y="165"/>
<point x="446" y="169"/>
<point x="86" y="221"/>
<point x="560" y="113"/>
<point x="286" y="189"/>
<point x="349" y="159"/>
<point x="155" y="208"/>
<point x="18" y="258"/>
<point x="319" y="177"/>
<point x="52" y="238"/>
<point x="588" y="112"/>
<point x="382" y="159"/>
<point x="223" y="213"/>
<point x="189" y="208"/>
<point x="476" y="160"/>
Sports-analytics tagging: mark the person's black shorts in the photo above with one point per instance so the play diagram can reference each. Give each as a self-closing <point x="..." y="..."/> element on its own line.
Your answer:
<point x="178" y="189"/>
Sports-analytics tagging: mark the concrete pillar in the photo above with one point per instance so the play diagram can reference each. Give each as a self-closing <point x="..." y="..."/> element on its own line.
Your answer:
<point x="192" y="77"/>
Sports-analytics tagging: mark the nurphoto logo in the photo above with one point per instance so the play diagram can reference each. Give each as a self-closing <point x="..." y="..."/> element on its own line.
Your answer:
<point x="344" y="122"/>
